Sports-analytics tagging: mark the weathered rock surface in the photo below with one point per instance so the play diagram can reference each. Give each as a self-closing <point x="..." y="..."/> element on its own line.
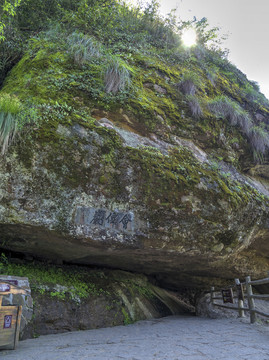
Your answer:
<point x="112" y="198"/>
<point x="133" y="180"/>
<point x="124" y="298"/>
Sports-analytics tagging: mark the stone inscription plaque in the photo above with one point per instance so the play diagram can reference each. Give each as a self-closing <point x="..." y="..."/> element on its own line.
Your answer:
<point x="102" y="218"/>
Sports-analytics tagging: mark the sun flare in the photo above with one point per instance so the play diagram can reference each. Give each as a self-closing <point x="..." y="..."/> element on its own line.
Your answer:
<point x="189" y="37"/>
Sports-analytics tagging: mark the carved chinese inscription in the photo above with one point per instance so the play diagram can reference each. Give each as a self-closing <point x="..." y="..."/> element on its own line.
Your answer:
<point x="99" y="217"/>
<point x="103" y="218"/>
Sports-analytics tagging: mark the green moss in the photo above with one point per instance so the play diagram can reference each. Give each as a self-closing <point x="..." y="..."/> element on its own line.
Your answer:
<point x="103" y="180"/>
<point x="65" y="93"/>
<point x="176" y="174"/>
<point x="74" y="282"/>
<point x="126" y="318"/>
<point x="77" y="283"/>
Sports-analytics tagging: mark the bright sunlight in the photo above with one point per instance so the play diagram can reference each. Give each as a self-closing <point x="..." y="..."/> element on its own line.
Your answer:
<point x="189" y="37"/>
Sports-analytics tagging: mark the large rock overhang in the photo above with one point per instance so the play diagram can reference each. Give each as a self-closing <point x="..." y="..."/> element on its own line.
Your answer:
<point x="160" y="209"/>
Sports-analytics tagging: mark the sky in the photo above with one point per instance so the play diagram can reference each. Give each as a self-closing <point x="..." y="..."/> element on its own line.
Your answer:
<point x="247" y="24"/>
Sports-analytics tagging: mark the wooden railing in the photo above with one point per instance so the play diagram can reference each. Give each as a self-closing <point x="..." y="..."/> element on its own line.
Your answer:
<point x="242" y="290"/>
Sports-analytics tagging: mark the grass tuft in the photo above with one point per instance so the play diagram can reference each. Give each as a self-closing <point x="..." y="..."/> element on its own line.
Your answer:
<point x="82" y="48"/>
<point x="225" y="108"/>
<point x="189" y="83"/>
<point x="117" y="76"/>
<point x="259" y="139"/>
<point x="194" y="106"/>
<point x="10" y="107"/>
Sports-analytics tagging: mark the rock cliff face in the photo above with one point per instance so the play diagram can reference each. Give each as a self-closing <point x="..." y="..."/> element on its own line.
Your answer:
<point x="161" y="209"/>
<point x="140" y="184"/>
<point x="92" y="299"/>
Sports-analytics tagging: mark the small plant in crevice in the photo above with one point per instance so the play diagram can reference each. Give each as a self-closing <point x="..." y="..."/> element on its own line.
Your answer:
<point x="127" y="319"/>
<point x="194" y="106"/>
<point x="117" y="75"/>
<point x="3" y="261"/>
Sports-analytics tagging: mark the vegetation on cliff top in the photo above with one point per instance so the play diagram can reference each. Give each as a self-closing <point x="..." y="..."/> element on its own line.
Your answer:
<point x="111" y="56"/>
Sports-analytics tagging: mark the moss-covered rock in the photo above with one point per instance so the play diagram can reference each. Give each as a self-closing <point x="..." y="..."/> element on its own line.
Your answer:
<point x="150" y="189"/>
<point x="69" y="298"/>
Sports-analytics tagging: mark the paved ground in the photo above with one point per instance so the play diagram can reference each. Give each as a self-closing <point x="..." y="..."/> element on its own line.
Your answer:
<point x="170" y="338"/>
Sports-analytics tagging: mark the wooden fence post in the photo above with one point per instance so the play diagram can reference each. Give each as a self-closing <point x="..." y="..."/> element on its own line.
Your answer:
<point x="212" y="294"/>
<point x="240" y="301"/>
<point x="251" y="303"/>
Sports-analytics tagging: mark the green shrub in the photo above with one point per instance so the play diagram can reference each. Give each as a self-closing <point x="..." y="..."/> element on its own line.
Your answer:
<point x="11" y="50"/>
<point x="199" y="51"/>
<point x="117" y="76"/>
<point x="34" y="15"/>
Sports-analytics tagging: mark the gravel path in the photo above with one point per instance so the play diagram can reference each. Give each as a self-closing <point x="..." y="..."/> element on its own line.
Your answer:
<point x="170" y="338"/>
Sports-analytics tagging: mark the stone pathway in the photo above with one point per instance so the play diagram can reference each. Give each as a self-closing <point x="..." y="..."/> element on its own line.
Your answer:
<point x="170" y="338"/>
